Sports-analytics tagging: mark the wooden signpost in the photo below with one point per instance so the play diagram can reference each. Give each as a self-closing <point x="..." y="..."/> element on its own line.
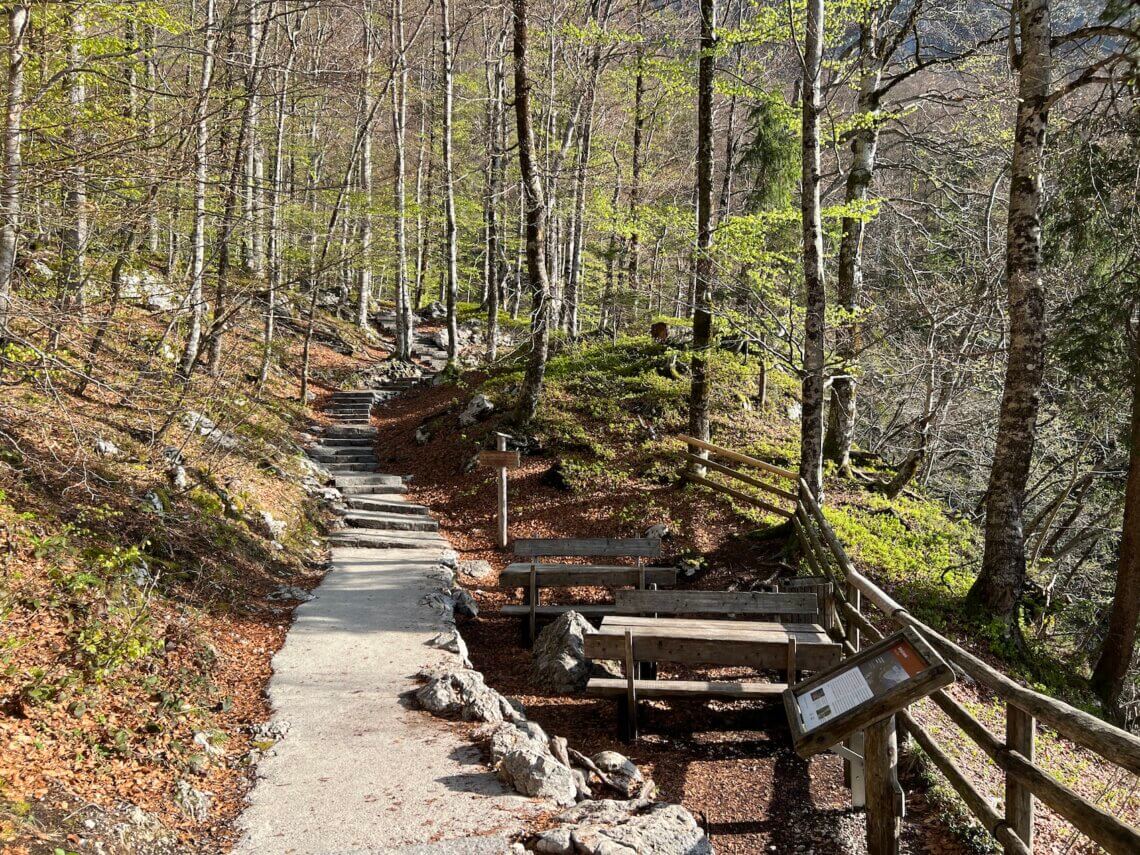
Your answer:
<point x="502" y="460"/>
<point x="862" y="694"/>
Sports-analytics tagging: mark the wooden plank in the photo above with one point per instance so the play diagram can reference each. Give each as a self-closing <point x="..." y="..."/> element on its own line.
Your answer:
<point x="736" y="494"/>
<point x="505" y="459"/>
<point x="749" y="652"/>
<point x="738" y="457"/>
<point x="739" y="476"/>
<point x="552" y="610"/>
<point x="714" y="602"/>
<point x="1020" y="730"/>
<point x="611" y="687"/>
<point x="715" y="627"/>
<point x="585" y="575"/>
<point x="535" y="547"/>
<point x="501" y="489"/>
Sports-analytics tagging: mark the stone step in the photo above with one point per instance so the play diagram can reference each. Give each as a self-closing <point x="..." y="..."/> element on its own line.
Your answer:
<point x="372" y="489"/>
<point x="389" y="522"/>
<point x="350" y="455"/>
<point x="351" y="393"/>
<point x="368" y="479"/>
<point x="339" y="413"/>
<point x="349" y="468"/>
<point x="386" y="505"/>
<point x="373" y="539"/>
<point x="345" y="442"/>
<point x="353" y="433"/>
<point x="352" y="421"/>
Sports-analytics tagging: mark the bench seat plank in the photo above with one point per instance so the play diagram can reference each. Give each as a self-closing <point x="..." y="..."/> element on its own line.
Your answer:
<point x="616" y="687"/>
<point x="584" y="575"/>
<point x="716" y="602"/>
<point x="643" y="547"/>
<point x="555" y="610"/>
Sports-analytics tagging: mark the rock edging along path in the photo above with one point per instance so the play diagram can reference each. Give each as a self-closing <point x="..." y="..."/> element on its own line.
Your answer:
<point x="360" y="770"/>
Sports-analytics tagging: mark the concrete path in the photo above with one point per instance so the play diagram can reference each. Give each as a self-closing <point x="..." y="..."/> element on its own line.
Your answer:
<point x="360" y="769"/>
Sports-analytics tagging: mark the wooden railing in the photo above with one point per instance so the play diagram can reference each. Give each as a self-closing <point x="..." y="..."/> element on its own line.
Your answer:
<point x="1024" y="709"/>
<point x="779" y="500"/>
<point x="1013" y="753"/>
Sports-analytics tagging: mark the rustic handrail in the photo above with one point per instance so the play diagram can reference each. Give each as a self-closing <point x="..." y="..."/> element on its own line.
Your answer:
<point x="1022" y="774"/>
<point x="701" y="466"/>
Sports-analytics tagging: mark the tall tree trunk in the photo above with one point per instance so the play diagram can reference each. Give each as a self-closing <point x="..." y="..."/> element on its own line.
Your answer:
<point x="404" y="318"/>
<point x="849" y="277"/>
<point x="699" y="392"/>
<point x="633" y="245"/>
<point x="1120" y="641"/>
<point x="423" y="192"/>
<point x="253" y="200"/>
<point x="73" y="245"/>
<point x="150" y="75"/>
<point x="364" y="226"/>
<point x="494" y="273"/>
<point x="10" y="198"/>
<point x="535" y="208"/>
<point x="811" y="424"/>
<point x="449" y="189"/>
<point x="999" y="584"/>
<point x="201" y="174"/>
<point x="273" y="245"/>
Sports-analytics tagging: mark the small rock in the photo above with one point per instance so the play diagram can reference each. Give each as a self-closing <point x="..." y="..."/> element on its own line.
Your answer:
<point x="194" y="803"/>
<point x="177" y="477"/>
<point x="106" y="448"/>
<point x="423" y="437"/>
<point x="476" y="569"/>
<point x="657" y="532"/>
<point x="794" y="411"/>
<point x="291" y="592"/>
<point x="465" y="604"/>
<point x="479" y="407"/>
<point x="153" y="502"/>
<point x="273" y="528"/>
<point x="555" y="842"/>
<point x="452" y="642"/>
<point x="621" y="772"/>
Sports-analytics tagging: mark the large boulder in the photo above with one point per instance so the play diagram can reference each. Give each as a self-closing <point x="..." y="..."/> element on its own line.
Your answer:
<point x="617" y="828"/>
<point x="479" y="407"/>
<point x="463" y="693"/>
<point x="523" y="759"/>
<point x="559" y="662"/>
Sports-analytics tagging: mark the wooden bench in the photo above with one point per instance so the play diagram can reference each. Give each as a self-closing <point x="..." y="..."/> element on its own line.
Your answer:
<point x="636" y="641"/>
<point x="534" y="575"/>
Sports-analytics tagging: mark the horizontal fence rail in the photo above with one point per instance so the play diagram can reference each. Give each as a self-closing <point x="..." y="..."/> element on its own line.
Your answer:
<point x="776" y="499"/>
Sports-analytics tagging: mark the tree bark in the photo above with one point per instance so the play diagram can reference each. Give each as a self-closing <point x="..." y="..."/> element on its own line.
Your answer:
<point x="493" y="269"/>
<point x="534" y="204"/>
<point x="404" y="318"/>
<point x="1120" y="642"/>
<point x="699" y="390"/>
<point x="364" y="225"/>
<point x="10" y="198"/>
<point x="999" y="584"/>
<point x="811" y="423"/>
<point x="849" y="276"/>
<point x="449" y="189"/>
<point x="201" y="174"/>
<point x="73" y="243"/>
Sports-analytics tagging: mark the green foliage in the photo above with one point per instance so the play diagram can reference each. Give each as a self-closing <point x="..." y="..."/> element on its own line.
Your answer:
<point x="771" y="161"/>
<point x="914" y="545"/>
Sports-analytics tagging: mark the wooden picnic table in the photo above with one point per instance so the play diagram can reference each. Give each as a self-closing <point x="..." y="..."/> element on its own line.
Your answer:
<point x="788" y="647"/>
<point x="758" y="644"/>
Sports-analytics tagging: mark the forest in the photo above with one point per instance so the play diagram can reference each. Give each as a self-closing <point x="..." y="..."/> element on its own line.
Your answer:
<point x="913" y="226"/>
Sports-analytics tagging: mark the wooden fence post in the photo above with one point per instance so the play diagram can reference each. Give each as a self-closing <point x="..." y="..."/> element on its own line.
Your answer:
<point x="1020" y="729"/>
<point x="884" y="796"/>
<point x="501" y="445"/>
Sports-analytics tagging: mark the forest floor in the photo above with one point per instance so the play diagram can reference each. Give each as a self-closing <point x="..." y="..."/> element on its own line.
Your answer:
<point x="731" y="765"/>
<point x="138" y="619"/>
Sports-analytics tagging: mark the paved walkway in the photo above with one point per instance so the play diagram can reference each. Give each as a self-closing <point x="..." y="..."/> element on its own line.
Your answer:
<point x="360" y="770"/>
